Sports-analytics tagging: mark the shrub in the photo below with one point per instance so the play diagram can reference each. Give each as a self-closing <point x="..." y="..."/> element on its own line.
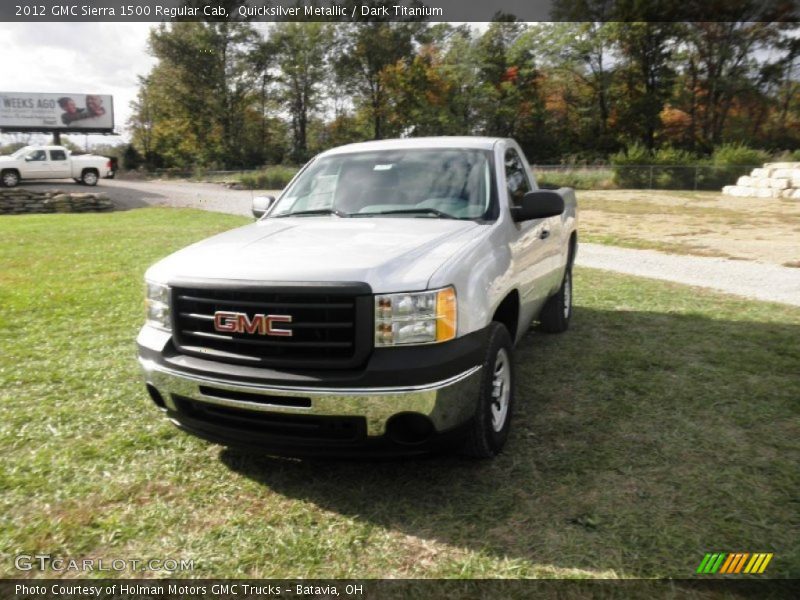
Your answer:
<point x="674" y="169"/>
<point x="728" y="162"/>
<point x="269" y="178"/>
<point x="579" y="179"/>
<point x="628" y="167"/>
<point x="739" y="155"/>
<point x="667" y="168"/>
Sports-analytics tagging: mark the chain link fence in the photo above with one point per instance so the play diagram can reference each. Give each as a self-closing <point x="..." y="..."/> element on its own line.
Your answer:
<point x="178" y="173"/>
<point x="647" y="177"/>
<point x="270" y="177"/>
<point x="582" y="177"/>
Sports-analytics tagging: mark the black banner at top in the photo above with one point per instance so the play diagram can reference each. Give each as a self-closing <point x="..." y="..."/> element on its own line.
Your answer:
<point x="398" y="10"/>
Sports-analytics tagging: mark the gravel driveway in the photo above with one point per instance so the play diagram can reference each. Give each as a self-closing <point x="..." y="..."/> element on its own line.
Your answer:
<point x="757" y="280"/>
<point x="137" y="194"/>
<point x="761" y="281"/>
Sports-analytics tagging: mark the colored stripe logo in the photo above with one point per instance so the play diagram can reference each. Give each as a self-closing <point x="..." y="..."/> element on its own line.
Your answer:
<point x="726" y="563"/>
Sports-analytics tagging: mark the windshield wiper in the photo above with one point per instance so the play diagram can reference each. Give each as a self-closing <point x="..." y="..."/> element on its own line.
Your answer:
<point x="408" y="211"/>
<point x="318" y="211"/>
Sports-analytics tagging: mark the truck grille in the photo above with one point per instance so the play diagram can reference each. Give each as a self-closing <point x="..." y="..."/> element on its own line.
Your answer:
<point x="331" y="325"/>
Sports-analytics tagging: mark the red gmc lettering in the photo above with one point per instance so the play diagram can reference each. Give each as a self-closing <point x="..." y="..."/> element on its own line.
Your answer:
<point x="234" y="322"/>
<point x="270" y="319"/>
<point x="257" y="325"/>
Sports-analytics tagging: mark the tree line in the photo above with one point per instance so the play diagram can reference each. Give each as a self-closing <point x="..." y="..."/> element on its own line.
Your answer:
<point x="237" y="95"/>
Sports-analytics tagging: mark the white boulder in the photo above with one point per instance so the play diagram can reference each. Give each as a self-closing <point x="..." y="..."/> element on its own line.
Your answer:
<point x="761" y="173"/>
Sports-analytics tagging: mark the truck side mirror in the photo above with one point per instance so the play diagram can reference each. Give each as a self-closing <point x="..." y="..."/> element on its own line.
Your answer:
<point x="538" y="204"/>
<point x="261" y="205"/>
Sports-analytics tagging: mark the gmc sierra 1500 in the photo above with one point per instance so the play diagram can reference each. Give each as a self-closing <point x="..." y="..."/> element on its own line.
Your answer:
<point x="374" y="306"/>
<point x="52" y="162"/>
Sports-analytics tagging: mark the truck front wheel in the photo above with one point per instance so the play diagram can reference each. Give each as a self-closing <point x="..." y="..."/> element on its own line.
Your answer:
<point x="89" y="177"/>
<point x="492" y="421"/>
<point x="10" y="178"/>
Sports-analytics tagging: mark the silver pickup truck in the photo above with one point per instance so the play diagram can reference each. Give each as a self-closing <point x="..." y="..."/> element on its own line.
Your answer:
<point x="373" y="307"/>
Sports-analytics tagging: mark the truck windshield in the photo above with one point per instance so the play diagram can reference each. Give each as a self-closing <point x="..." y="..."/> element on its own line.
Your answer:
<point x="401" y="183"/>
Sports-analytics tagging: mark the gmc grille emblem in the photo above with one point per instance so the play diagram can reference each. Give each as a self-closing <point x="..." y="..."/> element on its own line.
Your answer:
<point x="236" y="322"/>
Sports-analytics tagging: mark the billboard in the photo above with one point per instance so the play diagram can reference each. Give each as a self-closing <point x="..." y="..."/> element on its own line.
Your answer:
<point x="81" y="113"/>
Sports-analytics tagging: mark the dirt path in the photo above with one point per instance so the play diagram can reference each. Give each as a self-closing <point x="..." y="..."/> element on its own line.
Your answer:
<point x="762" y="281"/>
<point x="697" y="223"/>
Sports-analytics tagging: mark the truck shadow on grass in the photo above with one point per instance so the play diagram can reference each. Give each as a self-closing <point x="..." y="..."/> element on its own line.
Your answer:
<point x="641" y="440"/>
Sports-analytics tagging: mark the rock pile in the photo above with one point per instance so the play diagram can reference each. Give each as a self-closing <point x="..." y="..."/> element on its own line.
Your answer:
<point x="18" y="201"/>
<point x="773" y="180"/>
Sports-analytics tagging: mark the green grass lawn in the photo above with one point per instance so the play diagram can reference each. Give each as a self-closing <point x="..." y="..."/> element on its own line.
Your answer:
<point x="663" y="425"/>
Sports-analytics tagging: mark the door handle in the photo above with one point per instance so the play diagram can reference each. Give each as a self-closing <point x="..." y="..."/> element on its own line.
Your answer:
<point x="544" y="234"/>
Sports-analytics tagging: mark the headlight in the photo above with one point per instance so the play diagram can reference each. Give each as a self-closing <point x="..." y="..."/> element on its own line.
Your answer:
<point x="416" y="318"/>
<point x="157" y="305"/>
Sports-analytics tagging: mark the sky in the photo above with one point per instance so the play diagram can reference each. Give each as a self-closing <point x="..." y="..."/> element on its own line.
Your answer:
<point x="79" y="58"/>
<point x="101" y="58"/>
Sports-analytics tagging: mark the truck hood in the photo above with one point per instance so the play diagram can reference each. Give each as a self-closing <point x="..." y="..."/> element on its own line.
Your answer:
<point x="390" y="254"/>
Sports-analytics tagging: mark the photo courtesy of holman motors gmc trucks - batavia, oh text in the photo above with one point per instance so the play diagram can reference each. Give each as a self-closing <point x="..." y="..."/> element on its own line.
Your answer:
<point x="373" y="307"/>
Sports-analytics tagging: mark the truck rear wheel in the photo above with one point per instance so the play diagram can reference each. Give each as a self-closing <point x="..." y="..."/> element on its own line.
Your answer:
<point x="557" y="311"/>
<point x="89" y="177"/>
<point x="10" y="178"/>
<point x="492" y="421"/>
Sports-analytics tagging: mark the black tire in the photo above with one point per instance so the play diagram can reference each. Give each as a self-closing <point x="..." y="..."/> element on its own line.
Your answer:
<point x="490" y="426"/>
<point x="89" y="177"/>
<point x="10" y="178"/>
<point x="557" y="311"/>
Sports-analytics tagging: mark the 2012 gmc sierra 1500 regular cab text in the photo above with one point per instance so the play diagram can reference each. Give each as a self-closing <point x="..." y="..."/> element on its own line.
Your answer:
<point x="373" y="306"/>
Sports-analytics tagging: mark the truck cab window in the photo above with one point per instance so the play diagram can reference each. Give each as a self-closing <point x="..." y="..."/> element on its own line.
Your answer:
<point x="516" y="179"/>
<point x="58" y="155"/>
<point x="37" y="155"/>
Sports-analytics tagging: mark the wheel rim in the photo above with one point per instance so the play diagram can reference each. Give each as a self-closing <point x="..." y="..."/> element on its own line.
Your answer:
<point x="567" y="294"/>
<point x="90" y="178"/>
<point x="501" y="390"/>
<point x="10" y="180"/>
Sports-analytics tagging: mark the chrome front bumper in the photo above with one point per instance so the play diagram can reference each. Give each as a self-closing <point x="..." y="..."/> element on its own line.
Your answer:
<point x="447" y="403"/>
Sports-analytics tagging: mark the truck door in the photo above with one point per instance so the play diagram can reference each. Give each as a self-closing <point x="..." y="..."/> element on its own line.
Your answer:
<point x="555" y="245"/>
<point x="59" y="164"/>
<point x="35" y="165"/>
<point x="531" y="247"/>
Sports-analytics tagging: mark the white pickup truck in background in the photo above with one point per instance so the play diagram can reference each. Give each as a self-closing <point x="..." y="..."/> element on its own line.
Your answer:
<point x="52" y="162"/>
